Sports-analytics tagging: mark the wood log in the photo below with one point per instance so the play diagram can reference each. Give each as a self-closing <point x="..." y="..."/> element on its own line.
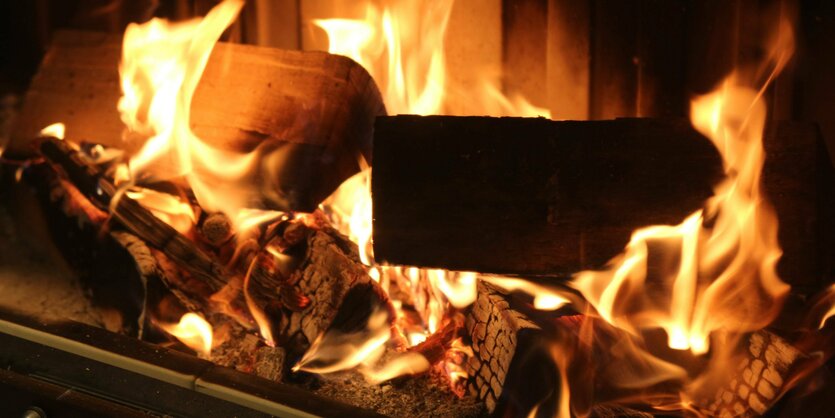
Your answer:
<point x="511" y="370"/>
<point x="760" y="379"/>
<point x="321" y="266"/>
<point x="529" y="196"/>
<point x="539" y="197"/>
<point x="316" y="107"/>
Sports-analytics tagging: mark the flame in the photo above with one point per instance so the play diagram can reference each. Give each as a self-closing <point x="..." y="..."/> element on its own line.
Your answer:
<point x="401" y="44"/>
<point x="162" y="63"/>
<point x="402" y="364"/>
<point x="169" y="208"/>
<point x="826" y="299"/>
<point x="335" y="351"/>
<point x="56" y="130"/>
<point x="545" y="299"/>
<point x="193" y="331"/>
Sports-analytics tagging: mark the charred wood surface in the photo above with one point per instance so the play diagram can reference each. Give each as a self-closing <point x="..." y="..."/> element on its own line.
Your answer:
<point x="529" y="196"/>
<point x="533" y="196"/>
<point x="317" y="108"/>
<point x="760" y="378"/>
<point x="510" y="370"/>
<point x="342" y="294"/>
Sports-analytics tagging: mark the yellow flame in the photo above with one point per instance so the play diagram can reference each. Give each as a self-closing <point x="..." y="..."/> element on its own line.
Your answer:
<point x="161" y="66"/>
<point x="169" y="208"/>
<point x="545" y="299"/>
<point x="402" y="364"/>
<point x="829" y="295"/>
<point x="725" y="277"/>
<point x="193" y="331"/>
<point x="56" y="130"/>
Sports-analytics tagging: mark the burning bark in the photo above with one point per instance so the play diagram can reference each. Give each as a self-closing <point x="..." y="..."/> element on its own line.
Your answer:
<point x="760" y="379"/>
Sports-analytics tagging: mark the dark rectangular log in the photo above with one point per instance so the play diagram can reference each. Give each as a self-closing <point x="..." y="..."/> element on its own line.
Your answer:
<point x="529" y="196"/>
<point x="533" y="196"/>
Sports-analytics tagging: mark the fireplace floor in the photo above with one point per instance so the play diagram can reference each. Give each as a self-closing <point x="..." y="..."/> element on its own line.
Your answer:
<point x="36" y="281"/>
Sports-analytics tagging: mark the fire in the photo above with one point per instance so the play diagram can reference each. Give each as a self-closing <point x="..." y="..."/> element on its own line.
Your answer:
<point x="193" y="331"/>
<point x="161" y="65"/>
<point x="401" y="44"/>
<point x="169" y="208"/>
<point x="56" y="130"/>
<point x="725" y="278"/>
<point x="334" y="351"/>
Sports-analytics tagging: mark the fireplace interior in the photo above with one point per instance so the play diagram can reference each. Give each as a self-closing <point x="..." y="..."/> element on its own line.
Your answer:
<point x="527" y="208"/>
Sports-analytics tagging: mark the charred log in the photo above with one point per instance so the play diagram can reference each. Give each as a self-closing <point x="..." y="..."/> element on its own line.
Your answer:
<point x="510" y="370"/>
<point x="460" y="192"/>
<point x="760" y="379"/>
<point x="314" y="109"/>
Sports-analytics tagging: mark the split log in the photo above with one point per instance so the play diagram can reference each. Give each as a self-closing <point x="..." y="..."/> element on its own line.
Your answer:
<point x="320" y="285"/>
<point x="760" y="378"/>
<point x="329" y="273"/>
<point x="316" y="108"/>
<point x="510" y="361"/>
<point x="533" y="196"/>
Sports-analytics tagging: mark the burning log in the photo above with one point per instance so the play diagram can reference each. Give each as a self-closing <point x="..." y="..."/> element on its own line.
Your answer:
<point x="760" y="379"/>
<point x="508" y="355"/>
<point x="331" y="275"/>
<point x="318" y="284"/>
<point x="459" y="192"/>
<point x="318" y="108"/>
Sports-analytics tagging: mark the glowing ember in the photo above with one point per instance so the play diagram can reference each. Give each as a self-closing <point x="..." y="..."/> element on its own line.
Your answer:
<point x="56" y="130"/>
<point x="725" y="278"/>
<point x="193" y="331"/>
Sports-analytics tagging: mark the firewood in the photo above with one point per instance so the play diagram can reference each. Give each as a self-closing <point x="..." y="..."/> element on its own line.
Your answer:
<point x="533" y="196"/>
<point x="760" y="378"/>
<point x="327" y="270"/>
<point x="132" y="215"/>
<point x="510" y="369"/>
<point x="316" y="107"/>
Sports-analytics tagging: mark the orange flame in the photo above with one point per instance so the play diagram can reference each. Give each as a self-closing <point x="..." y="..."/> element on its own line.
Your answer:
<point x="193" y="331"/>
<point x="161" y="66"/>
<point x="334" y="351"/>
<point x="725" y="278"/>
<point x="401" y="44"/>
<point x="56" y="130"/>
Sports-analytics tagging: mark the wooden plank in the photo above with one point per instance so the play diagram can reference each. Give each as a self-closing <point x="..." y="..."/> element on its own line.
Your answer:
<point x="529" y="196"/>
<point x="537" y="197"/>
<point x="319" y="106"/>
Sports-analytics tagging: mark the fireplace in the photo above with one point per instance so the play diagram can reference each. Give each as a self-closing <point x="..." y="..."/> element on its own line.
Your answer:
<point x="418" y="208"/>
